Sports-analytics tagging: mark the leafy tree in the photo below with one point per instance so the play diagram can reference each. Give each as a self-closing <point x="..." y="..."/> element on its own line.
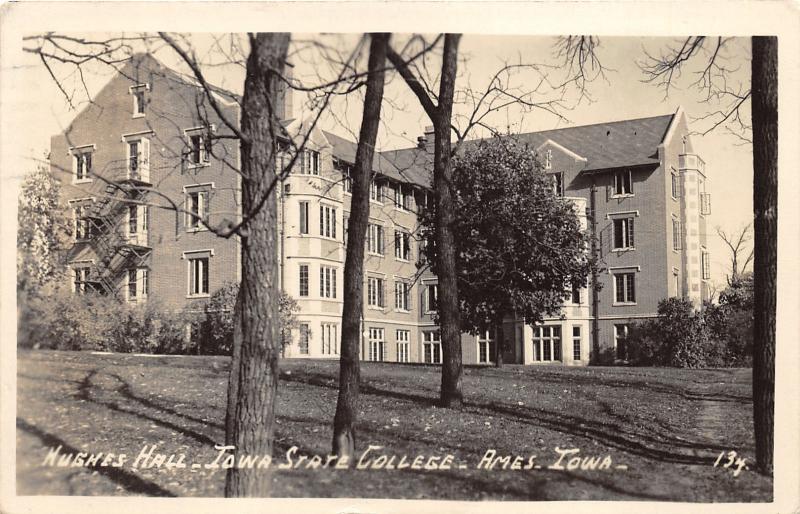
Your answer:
<point x="519" y="248"/>
<point x="43" y="231"/>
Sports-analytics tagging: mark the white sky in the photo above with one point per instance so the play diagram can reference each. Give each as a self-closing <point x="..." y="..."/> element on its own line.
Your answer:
<point x="621" y="95"/>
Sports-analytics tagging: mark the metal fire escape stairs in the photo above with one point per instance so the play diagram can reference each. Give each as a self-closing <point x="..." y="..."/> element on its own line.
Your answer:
<point x="116" y="250"/>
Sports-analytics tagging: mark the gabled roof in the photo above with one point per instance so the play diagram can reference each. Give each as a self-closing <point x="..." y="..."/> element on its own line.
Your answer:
<point x="613" y="144"/>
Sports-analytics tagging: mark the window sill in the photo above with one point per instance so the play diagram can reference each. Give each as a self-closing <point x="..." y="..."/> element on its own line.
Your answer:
<point x="623" y="250"/>
<point x="195" y="296"/>
<point x="328" y="238"/>
<point x="400" y="259"/>
<point x="197" y="165"/>
<point x="623" y="195"/>
<point x="376" y="202"/>
<point x="622" y="304"/>
<point x="375" y="308"/>
<point x="138" y="115"/>
<point x="82" y="181"/>
<point x="373" y="254"/>
<point x="403" y="311"/>
<point x="196" y="229"/>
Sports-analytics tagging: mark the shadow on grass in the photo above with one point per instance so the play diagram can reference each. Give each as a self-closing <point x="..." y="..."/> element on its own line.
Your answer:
<point x="129" y="481"/>
<point x="84" y="393"/>
<point x="640" y="444"/>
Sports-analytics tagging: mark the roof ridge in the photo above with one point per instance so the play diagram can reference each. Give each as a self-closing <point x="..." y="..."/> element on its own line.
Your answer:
<point x="573" y="127"/>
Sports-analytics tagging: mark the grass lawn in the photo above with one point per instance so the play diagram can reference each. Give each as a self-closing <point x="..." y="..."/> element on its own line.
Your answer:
<point x="667" y="426"/>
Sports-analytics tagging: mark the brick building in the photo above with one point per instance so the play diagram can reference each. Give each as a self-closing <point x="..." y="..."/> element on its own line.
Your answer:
<point x="142" y="148"/>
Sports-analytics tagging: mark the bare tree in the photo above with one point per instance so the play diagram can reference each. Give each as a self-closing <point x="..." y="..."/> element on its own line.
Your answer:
<point x="738" y="243"/>
<point x="440" y="115"/>
<point x="344" y="437"/>
<point x="257" y="343"/>
<point x="731" y="114"/>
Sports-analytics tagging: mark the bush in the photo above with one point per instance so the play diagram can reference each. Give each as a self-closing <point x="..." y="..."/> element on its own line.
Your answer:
<point x="62" y="320"/>
<point x="679" y="337"/>
<point x="216" y="327"/>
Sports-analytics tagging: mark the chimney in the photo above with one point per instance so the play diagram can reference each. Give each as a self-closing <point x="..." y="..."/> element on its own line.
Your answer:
<point x="425" y="141"/>
<point x="285" y="107"/>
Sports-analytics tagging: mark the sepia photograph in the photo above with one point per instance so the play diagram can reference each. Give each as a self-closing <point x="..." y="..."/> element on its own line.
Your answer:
<point x="418" y="264"/>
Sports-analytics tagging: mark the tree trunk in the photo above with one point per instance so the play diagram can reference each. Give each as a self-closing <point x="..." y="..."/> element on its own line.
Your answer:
<point x="447" y="305"/>
<point x="259" y="292"/>
<point x="233" y="377"/>
<point x="765" y="204"/>
<point x="344" y="438"/>
<point x="449" y="314"/>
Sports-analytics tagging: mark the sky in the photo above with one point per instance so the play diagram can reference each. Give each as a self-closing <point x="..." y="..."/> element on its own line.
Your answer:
<point x="620" y="94"/>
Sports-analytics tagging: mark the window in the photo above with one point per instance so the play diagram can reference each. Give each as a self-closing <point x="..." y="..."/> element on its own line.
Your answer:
<point x="676" y="278"/>
<point x="139" y="92"/>
<point x="623" y="234"/>
<point x="138" y="158"/>
<point x="310" y="163"/>
<point x="624" y="288"/>
<point x="402" y="197"/>
<point x="557" y="183"/>
<point x="375" y="239"/>
<point x="677" y="234"/>
<point x="575" y="296"/>
<point x="576" y="343"/>
<point x="303" y="286"/>
<point x="486" y="347"/>
<point x="327" y="221"/>
<point x="305" y="335"/>
<point x="137" y="225"/>
<point x="401" y="294"/>
<point x="706" y="264"/>
<point x="330" y="339"/>
<point x="303" y="217"/>
<point x="199" y="149"/>
<point x="402" y="337"/>
<point x="375" y="191"/>
<point x="676" y="185"/>
<point x="547" y="343"/>
<point x="198" y="276"/>
<point x="548" y="159"/>
<point x="377" y="345"/>
<point x="327" y="282"/>
<point x="82" y="225"/>
<point x="402" y="245"/>
<point x="80" y="279"/>
<point x="620" y="335"/>
<point x="345" y="220"/>
<point x="196" y="209"/>
<point x="430" y="295"/>
<point x="423" y="246"/>
<point x="705" y="203"/>
<point x="431" y="347"/>
<point x="375" y="292"/>
<point x="622" y="183"/>
<point x="138" y="284"/>
<point x="82" y="164"/>
<point x="347" y="175"/>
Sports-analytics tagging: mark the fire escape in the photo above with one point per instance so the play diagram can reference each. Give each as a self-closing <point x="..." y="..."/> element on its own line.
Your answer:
<point x="119" y="231"/>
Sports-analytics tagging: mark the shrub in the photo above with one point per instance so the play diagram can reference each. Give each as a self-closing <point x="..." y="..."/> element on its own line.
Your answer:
<point x="216" y="327"/>
<point x="679" y="337"/>
<point x="62" y="320"/>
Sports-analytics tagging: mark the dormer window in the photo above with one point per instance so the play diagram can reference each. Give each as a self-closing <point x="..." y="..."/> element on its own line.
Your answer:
<point x="139" y="94"/>
<point x="557" y="183"/>
<point x="548" y="159"/>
